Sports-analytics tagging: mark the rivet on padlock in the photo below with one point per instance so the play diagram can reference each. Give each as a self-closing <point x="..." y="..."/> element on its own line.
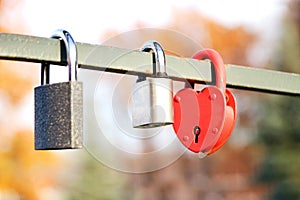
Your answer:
<point x="59" y="106"/>
<point x="206" y="111"/>
<point x="152" y="97"/>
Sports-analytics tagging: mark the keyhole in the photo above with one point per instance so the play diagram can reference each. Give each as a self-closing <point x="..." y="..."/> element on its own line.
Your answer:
<point x="197" y="131"/>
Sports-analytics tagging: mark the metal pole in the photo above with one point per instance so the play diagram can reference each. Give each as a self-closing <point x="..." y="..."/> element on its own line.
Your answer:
<point x="116" y="60"/>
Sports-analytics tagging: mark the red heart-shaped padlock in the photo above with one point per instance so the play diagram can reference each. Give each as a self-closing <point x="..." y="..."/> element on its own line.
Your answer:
<point x="231" y="109"/>
<point x="199" y="117"/>
<point x="203" y="121"/>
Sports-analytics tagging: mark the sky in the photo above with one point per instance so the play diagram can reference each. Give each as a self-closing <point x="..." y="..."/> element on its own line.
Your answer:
<point x="88" y="20"/>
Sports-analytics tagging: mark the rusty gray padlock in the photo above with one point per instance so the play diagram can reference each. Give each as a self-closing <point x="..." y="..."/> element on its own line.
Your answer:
<point x="59" y="106"/>
<point x="152" y="97"/>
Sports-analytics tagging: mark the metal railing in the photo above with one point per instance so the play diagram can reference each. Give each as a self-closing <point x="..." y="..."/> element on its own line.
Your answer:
<point x="117" y="60"/>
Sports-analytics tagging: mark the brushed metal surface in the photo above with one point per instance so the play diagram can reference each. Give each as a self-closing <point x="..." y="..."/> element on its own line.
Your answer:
<point x="152" y="103"/>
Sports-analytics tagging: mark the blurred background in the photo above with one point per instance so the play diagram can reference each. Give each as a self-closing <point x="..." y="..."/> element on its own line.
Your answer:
<point x="261" y="159"/>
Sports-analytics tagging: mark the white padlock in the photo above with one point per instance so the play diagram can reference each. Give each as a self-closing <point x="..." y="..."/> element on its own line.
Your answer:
<point x="152" y="97"/>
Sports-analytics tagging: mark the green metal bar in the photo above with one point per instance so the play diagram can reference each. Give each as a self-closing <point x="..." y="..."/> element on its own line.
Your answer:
<point x="113" y="59"/>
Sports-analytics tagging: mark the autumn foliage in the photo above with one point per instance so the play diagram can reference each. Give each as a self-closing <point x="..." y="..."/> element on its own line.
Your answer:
<point x="24" y="172"/>
<point x="231" y="42"/>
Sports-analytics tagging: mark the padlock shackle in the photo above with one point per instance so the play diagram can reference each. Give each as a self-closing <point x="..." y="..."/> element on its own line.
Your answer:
<point x="159" y="58"/>
<point x="217" y="63"/>
<point x="45" y="72"/>
<point x="71" y="51"/>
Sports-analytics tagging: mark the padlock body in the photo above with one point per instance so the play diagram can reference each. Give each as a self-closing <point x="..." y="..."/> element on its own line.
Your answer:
<point x="204" y="109"/>
<point x="152" y="103"/>
<point x="58" y="116"/>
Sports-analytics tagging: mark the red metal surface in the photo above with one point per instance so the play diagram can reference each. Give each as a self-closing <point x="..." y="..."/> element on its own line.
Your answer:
<point x="230" y="119"/>
<point x="204" y="120"/>
<point x="206" y="110"/>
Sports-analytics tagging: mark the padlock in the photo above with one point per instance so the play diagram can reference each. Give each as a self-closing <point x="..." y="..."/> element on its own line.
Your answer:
<point x="152" y="97"/>
<point x="59" y="106"/>
<point x="204" y="120"/>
